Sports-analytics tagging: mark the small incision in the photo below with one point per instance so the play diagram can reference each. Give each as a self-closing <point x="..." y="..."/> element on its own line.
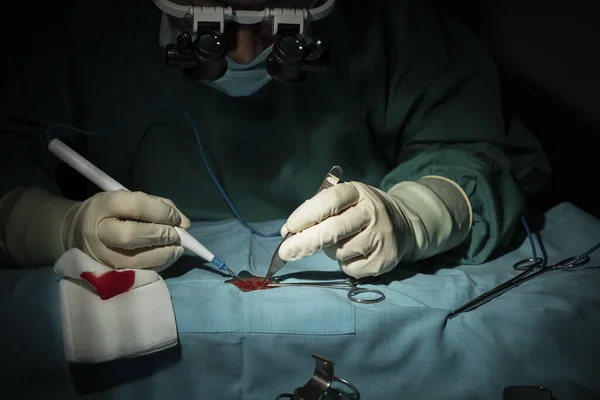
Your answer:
<point x="250" y="284"/>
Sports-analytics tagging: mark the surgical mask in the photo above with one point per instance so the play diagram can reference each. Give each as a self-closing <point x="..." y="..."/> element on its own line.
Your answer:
<point x="243" y="80"/>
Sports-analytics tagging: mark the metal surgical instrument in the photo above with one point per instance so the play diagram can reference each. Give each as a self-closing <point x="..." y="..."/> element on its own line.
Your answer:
<point x="347" y="284"/>
<point x="321" y="385"/>
<point x="333" y="178"/>
<point x="532" y="268"/>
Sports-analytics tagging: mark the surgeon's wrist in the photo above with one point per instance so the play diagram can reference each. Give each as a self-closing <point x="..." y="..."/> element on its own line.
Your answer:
<point x="439" y="212"/>
<point x="454" y="198"/>
<point x="33" y="230"/>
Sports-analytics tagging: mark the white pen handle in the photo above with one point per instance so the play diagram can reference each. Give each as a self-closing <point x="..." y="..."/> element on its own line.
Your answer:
<point x="108" y="184"/>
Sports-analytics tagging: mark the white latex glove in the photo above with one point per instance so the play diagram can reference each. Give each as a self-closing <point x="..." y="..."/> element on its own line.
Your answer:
<point x="370" y="231"/>
<point x="126" y="229"/>
<point x="119" y="229"/>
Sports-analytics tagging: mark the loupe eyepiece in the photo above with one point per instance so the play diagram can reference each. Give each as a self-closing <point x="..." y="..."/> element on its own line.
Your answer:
<point x="285" y="61"/>
<point x="292" y="57"/>
<point x="209" y="45"/>
<point x="290" y="48"/>
<point x="203" y="59"/>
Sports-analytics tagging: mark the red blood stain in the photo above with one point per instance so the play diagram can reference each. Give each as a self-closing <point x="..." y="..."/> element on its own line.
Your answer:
<point x="110" y="283"/>
<point x="250" y="284"/>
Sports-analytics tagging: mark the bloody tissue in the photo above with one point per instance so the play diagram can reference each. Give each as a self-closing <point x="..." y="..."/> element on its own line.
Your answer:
<point x="250" y="284"/>
<point x="110" y="283"/>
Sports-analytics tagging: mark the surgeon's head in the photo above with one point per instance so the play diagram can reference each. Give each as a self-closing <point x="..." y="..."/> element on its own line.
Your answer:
<point x="245" y="42"/>
<point x="241" y="58"/>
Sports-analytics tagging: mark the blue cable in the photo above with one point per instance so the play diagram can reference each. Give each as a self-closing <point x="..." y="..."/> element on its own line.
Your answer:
<point x="202" y="153"/>
<point x="222" y="191"/>
<point x="534" y="251"/>
<point x="530" y="237"/>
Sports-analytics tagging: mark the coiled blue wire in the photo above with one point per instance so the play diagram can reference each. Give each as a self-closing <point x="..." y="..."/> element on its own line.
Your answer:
<point x="200" y="148"/>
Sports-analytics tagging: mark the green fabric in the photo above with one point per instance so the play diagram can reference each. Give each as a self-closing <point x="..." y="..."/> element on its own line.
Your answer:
<point x="409" y="94"/>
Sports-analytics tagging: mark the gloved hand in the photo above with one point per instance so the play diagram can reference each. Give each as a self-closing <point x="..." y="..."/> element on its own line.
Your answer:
<point x="370" y="231"/>
<point x="126" y="229"/>
<point x="119" y="229"/>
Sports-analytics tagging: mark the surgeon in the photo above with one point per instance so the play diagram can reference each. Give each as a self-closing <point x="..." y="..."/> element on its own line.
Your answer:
<point x="405" y="100"/>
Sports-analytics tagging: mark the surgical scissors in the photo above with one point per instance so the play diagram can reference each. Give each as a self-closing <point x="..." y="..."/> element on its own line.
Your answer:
<point x="347" y="284"/>
<point x="532" y="268"/>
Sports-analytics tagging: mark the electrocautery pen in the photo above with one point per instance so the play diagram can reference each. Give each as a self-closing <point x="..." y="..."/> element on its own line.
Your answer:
<point x="106" y="183"/>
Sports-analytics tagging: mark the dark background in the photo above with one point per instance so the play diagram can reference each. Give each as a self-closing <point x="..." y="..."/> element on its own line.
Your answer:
<point x="548" y="53"/>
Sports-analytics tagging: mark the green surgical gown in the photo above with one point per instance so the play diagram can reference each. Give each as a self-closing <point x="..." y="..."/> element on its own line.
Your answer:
<point x="409" y="93"/>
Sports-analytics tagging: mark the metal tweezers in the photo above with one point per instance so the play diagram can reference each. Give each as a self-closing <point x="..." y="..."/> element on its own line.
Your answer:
<point x="333" y="178"/>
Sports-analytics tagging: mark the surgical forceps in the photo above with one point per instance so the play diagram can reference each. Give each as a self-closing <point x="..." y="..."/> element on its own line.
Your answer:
<point x="333" y="177"/>
<point x="347" y="284"/>
<point x="532" y="268"/>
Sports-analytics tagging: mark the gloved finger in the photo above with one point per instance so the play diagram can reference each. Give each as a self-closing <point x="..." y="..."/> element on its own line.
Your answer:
<point x="185" y="222"/>
<point x="359" y="267"/>
<point x="157" y="258"/>
<point x="324" y="204"/>
<point x="324" y="234"/>
<point x="368" y="265"/>
<point x="134" y="235"/>
<point x="352" y="247"/>
<point x="139" y="206"/>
